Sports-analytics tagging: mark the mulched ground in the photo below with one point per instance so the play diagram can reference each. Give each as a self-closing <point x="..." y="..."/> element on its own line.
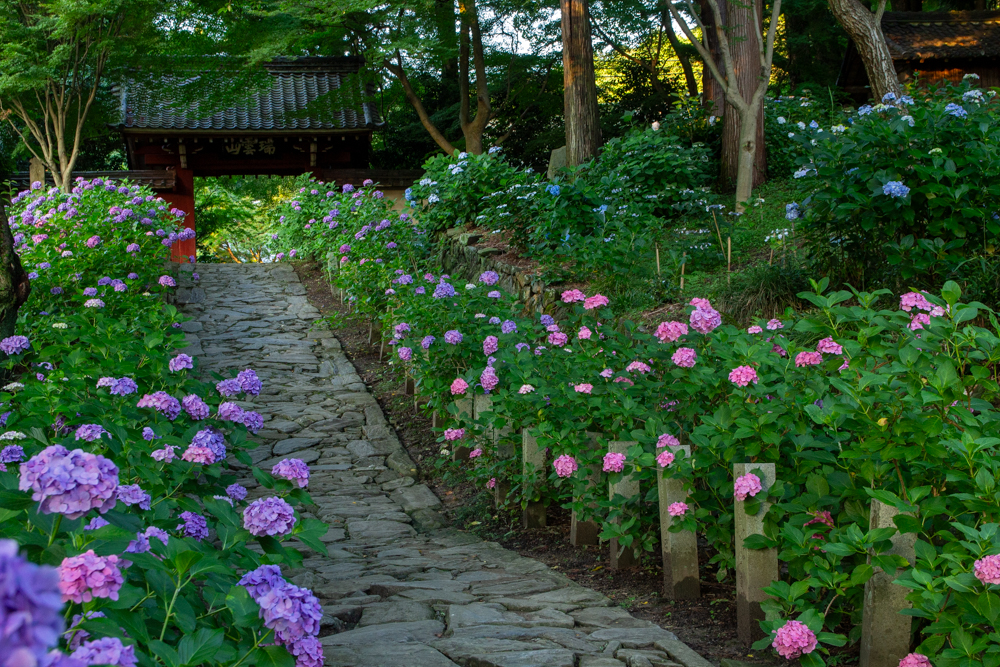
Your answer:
<point x="707" y="625"/>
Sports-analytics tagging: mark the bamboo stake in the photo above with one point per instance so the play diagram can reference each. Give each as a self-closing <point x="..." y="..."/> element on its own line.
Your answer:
<point x="729" y="260"/>
<point x="657" y="261"/>
<point x="683" y="266"/>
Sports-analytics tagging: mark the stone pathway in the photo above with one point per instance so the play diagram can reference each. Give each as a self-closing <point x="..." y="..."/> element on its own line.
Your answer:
<point x="399" y="587"/>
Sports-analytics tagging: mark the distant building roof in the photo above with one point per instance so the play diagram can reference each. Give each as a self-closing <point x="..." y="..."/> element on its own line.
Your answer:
<point x="313" y="93"/>
<point x="934" y="35"/>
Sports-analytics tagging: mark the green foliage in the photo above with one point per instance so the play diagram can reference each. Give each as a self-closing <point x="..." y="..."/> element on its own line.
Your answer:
<point x="236" y="216"/>
<point x="944" y="148"/>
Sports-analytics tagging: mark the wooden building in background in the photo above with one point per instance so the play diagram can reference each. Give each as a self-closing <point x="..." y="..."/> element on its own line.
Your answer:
<point x="931" y="47"/>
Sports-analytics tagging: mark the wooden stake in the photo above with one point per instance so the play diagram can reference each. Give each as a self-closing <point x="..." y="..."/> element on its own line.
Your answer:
<point x="770" y="259"/>
<point x="657" y="261"/>
<point x="729" y="259"/>
<point x="683" y="265"/>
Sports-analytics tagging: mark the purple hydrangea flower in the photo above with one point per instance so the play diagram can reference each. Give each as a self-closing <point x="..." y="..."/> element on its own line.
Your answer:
<point x="30" y="606"/>
<point x="269" y="516"/>
<point x="148" y="435"/>
<point x="119" y="285"/>
<point x="133" y="276"/>
<point x="12" y="454"/>
<point x="106" y="651"/>
<point x="236" y="491"/>
<point x="76" y="634"/>
<point x="426" y="342"/>
<point x="195" y="407"/>
<point x="89" y="432"/>
<point x="292" y="612"/>
<point x="70" y="482"/>
<point x="56" y="290"/>
<point x="295" y="470"/>
<point x="249" y="382"/>
<point x="167" y="281"/>
<point x="15" y="344"/>
<point x="443" y="291"/>
<point x="90" y="291"/>
<point x="212" y="440"/>
<point x="489" y="277"/>
<point x="229" y="411"/>
<point x="124" y="387"/>
<point x="229" y="387"/>
<point x="308" y="652"/>
<point x="96" y="522"/>
<point x="180" y="362"/>
<point x="508" y="326"/>
<point x="163" y="403"/>
<point x="132" y="494"/>
<point x="106" y="280"/>
<point x="546" y="320"/>
<point x="254" y="421"/>
<point x="453" y="337"/>
<point x="494" y="294"/>
<point x="260" y="581"/>
<point x="194" y="526"/>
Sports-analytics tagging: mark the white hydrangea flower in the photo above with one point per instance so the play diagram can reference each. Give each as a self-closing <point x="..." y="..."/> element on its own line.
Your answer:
<point x="60" y="325"/>
<point x="13" y="386"/>
<point x="13" y="435"/>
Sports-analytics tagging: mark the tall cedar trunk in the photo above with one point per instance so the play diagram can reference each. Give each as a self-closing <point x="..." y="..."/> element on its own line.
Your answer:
<point x="444" y="17"/>
<point x="14" y="284"/>
<point x="744" y="44"/>
<point x="583" y="123"/>
<point x="750" y="151"/>
<point x="714" y="96"/>
<point x="685" y="60"/>
<point x="471" y="37"/>
<point x="860" y="25"/>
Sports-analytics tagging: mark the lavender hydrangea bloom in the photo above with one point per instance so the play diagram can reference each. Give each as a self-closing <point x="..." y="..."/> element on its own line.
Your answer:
<point x="494" y="320"/>
<point x="124" y="387"/>
<point x="211" y="439"/>
<point x="90" y="291"/>
<point x="30" y="606"/>
<point x="236" y="491"/>
<point x="249" y="382"/>
<point x="163" y="403"/>
<point x="148" y="435"/>
<point x="489" y="277"/>
<point x="76" y="634"/>
<point x="230" y="412"/>
<point x="15" y="344"/>
<point x="508" y="326"/>
<point x="106" y="651"/>
<point x="443" y="291"/>
<point x="260" y="581"/>
<point x="180" y="362"/>
<point x="229" y="387"/>
<point x="453" y="337"/>
<point x="294" y="470"/>
<point x="292" y="612"/>
<point x="96" y="522"/>
<point x="426" y="342"/>
<point x="196" y="408"/>
<point x="494" y="294"/>
<point x="254" y="421"/>
<point x="70" y="482"/>
<point x="895" y="189"/>
<point x="89" y="432"/>
<point x="194" y="525"/>
<point x="308" y="652"/>
<point x="12" y="454"/>
<point x="132" y="494"/>
<point x="269" y="516"/>
<point x="91" y="303"/>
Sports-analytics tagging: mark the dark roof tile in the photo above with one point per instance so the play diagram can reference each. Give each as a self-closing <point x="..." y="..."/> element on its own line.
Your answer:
<point x="932" y="35"/>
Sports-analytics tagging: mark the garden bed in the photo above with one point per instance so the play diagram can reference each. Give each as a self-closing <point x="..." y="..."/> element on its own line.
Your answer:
<point x="708" y="625"/>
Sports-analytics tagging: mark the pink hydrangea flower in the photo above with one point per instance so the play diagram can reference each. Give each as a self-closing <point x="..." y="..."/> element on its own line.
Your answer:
<point x="919" y="321"/>
<point x="638" y="367"/>
<point x="808" y="359"/>
<point x="667" y="440"/>
<point x="558" y="338"/>
<point x="475" y="453"/>
<point x="668" y="332"/>
<point x="793" y="639"/>
<point x="165" y="454"/>
<point x="684" y="357"/>
<point x="459" y="387"/>
<point x="583" y="388"/>
<point x="294" y="470"/>
<point x="705" y="320"/>
<point x="70" y="482"/>
<point x="525" y="389"/>
<point x="624" y="380"/>
<point x="829" y="346"/>
<point x="488" y="378"/>
<point x="912" y="300"/>
<point x="665" y="458"/>
<point x="87" y="576"/>
<point x="606" y="373"/>
<point x="492" y="484"/>
<point x="747" y="485"/>
<point x="915" y="660"/>
<point x="823" y="516"/>
<point x="199" y="454"/>
<point x="774" y="325"/>
<point x="454" y="434"/>
<point x="741" y="376"/>
<point x="987" y="569"/>
<point x="565" y="465"/>
<point x="614" y="462"/>
<point x="677" y="509"/>
<point x="595" y="301"/>
<point x="573" y="295"/>
<point x="584" y="333"/>
<point x="698" y="302"/>
<point x="754" y="330"/>
<point x="490" y="345"/>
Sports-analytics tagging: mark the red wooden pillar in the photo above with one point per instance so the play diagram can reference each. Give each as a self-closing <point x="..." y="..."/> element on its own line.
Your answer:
<point x="183" y="198"/>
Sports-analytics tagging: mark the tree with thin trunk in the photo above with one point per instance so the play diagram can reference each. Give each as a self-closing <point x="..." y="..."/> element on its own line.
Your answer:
<point x="747" y="105"/>
<point x="743" y="35"/>
<point x="54" y="57"/>
<point x="865" y="30"/>
<point x="14" y="284"/>
<point x="583" y="121"/>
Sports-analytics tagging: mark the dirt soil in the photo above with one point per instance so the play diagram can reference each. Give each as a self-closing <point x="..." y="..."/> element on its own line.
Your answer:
<point x="708" y="625"/>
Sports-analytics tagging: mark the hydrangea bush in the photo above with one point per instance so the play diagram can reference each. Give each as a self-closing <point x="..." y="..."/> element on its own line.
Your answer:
<point x="118" y="488"/>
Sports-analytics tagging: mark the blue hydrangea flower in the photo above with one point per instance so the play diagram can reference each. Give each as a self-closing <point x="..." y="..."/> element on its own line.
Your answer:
<point x="865" y="110"/>
<point x="553" y="190"/>
<point x="895" y="189"/>
<point x="888" y="98"/>
<point x="792" y="211"/>
<point x="956" y="110"/>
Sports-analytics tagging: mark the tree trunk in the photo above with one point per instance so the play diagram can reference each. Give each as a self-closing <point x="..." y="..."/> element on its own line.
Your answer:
<point x="714" y="97"/>
<point x="685" y="60"/>
<point x="744" y="44"/>
<point x="583" y="124"/>
<point x="470" y="35"/>
<point x="411" y="96"/>
<point x="750" y="150"/>
<point x="861" y="26"/>
<point x="14" y="284"/>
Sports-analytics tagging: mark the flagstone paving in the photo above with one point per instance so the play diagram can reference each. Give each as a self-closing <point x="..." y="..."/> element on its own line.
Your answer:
<point x="399" y="587"/>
